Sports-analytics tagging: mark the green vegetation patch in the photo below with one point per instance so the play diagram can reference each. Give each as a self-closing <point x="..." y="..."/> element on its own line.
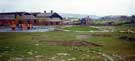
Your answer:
<point x="80" y="28"/>
<point x="34" y="46"/>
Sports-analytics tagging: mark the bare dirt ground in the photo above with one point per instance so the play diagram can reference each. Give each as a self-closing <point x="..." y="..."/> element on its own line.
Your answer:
<point x="72" y="43"/>
<point x="130" y="58"/>
<point x="101" y="35"/>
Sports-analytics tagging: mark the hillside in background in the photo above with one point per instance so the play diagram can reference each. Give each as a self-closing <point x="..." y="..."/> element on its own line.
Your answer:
<point x="65" y="15"/>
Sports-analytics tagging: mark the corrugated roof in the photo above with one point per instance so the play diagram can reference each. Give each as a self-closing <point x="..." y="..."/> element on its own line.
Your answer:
<point x="9" y="13"/>
<point x="50" y="15"/>
<point x="45" y="14"/>
<point x="13" y="15"/>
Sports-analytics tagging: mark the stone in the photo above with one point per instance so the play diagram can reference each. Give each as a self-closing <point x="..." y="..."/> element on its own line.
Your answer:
<point x="38" y="56"/>
<point x="37" y="44"/>
<point x="30" y="53"/>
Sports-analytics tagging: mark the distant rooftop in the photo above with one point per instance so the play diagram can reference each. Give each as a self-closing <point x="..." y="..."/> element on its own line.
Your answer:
<point x="18" y="13"/>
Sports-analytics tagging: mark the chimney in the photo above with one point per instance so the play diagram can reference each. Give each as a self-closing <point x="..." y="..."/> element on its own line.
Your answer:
<point x="44" y="11"/>
<point x="51" y="11"/>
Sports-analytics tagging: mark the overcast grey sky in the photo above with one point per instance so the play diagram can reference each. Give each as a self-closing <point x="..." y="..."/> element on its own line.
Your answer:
<point x="92" y="7"/>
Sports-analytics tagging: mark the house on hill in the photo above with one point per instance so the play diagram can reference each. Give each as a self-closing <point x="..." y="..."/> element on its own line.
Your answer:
<point x="45" y="18"/>
<point x="71" y="21"/>
<point x="85" y="21"/>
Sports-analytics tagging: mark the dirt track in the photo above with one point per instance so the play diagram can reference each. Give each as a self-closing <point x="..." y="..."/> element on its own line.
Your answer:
<point x="72" y="43"/>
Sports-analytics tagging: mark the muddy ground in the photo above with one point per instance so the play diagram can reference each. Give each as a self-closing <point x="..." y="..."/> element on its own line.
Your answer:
<point x="130" y="58"/>
<point x="72" y="43"/>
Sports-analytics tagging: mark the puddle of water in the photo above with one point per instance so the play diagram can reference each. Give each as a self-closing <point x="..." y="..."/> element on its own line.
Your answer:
<point x="35" y="29"/>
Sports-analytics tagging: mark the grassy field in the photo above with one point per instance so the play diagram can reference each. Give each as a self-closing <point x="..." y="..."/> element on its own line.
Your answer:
<point x="34" y="46"/>
<point x="80" y="28"/>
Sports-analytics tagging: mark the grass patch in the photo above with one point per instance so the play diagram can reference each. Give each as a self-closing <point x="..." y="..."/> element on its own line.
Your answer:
<point x="33" y="44"/>
<point x="81" y="28"/>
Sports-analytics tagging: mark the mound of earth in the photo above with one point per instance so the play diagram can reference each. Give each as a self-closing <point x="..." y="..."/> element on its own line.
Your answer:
<point x="127" y="38"/>
<point x="72" y="43"/>
<point x="101" y="35"/>
<point x="130" y="58"/>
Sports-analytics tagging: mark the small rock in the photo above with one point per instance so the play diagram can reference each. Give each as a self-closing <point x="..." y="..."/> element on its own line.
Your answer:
<point x="38" y="56"/>
<point x="87" y="55"/>
<point x="19" y="59"/>
<point x="53" y="58"/>
<point x="62" y="60"/>
<point x="71" y="59"/>
<point x="83" y="57"/>
<point x="65" y="54"/>
<point x="37" y="44"/>
<point x="30" y="53"/>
